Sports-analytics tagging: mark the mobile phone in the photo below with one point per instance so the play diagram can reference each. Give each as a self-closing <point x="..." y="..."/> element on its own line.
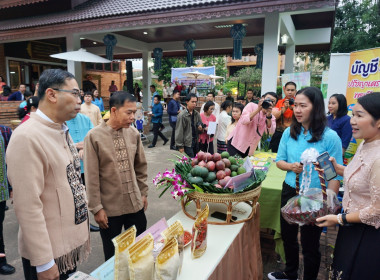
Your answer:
<point x="222" y="216"/>
<point x="327" y="166"/>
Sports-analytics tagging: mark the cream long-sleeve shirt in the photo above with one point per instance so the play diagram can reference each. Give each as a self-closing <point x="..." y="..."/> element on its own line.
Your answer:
<point x="93" y="112"/>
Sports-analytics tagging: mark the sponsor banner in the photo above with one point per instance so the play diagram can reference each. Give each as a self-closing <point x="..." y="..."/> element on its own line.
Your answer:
<point x="363" y="74"/>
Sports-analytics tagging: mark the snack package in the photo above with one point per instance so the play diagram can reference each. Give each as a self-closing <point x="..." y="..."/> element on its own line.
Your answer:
<point x="168" y="261"/>
<point x="175" y="231"/>
<point x="122" y="242"/>
<point x="140" y="259"/>
<point x="199" y="241"/>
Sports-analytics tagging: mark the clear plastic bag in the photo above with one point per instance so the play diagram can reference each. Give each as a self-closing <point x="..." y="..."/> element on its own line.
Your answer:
<point x="305" y="208"/>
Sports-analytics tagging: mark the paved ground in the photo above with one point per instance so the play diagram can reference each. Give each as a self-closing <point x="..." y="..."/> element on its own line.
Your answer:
<point x="158" y="161"/>
<point x="165" y="206"/>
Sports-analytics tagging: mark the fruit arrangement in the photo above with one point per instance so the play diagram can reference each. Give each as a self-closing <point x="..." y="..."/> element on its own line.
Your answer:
<point x="211" y="173"/>
<point x="205" y="173"/>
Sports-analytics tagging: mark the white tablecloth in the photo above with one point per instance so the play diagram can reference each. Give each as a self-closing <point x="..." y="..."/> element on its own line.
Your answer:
<point x="219" y="239"/>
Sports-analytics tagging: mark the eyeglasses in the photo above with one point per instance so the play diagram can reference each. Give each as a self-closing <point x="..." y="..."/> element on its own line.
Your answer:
<point x="74" y="92"/>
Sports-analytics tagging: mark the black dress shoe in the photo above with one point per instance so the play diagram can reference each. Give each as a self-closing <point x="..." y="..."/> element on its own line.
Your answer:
<point x="173" y="148"/>
<point x="94" y="228"/>
<point x="166" y="141"/>
<point x="6" y="207"/>
<point x="151" y="146"/>
<point x="7" y="269"/>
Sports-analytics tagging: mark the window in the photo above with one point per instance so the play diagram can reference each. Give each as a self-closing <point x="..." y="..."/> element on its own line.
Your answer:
<point x="109" y="67"/>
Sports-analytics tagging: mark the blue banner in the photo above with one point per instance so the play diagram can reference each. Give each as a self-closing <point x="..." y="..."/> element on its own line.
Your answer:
<point x="177" y="75"/>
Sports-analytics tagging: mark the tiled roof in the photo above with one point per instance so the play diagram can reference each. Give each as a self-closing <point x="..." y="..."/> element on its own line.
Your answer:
<point x="107" y="8"/>
<point x="14" y="3"/>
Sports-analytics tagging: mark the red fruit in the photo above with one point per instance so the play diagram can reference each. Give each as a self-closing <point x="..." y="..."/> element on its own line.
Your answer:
<point x="194" y="162"/>
<point x="210" y="166"/>
<point x="220" y="165"/>
<point x="223" y="182"/>
<point x="218" y="186"/>
<point x="227" y="162"/>
<point x="202" y="163"/>
<point x="216" y="157"/>
<point x="228" y="171"/>
<point x="227" y="178"/>
<point x="208" y="157"/>
<point x="201" y="156"/>
<point x="220" y="174"/>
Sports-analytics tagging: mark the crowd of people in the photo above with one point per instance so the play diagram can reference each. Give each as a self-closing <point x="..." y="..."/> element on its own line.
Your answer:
<point x="79" y="163"/>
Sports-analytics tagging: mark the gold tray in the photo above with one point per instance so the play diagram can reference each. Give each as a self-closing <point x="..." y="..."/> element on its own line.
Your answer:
<point x="230" y="200"/>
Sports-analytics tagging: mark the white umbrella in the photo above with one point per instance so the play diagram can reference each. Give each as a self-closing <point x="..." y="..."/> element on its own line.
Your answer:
<point x="81" y="55"/>
<point x="151" y="76"/>
<point x="196" y="75"/>
<point x="216" y="77"/>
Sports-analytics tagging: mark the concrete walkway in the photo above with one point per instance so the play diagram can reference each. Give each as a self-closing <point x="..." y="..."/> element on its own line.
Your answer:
<point x="165" y="206"/>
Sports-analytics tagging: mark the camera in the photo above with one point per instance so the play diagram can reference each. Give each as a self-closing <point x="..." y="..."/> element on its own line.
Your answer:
<point x="291" y="101"/>
<point x="267" y="103"/>
<point x="201" y="124"/>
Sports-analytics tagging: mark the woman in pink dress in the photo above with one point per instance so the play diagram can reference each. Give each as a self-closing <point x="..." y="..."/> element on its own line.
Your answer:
<point x="206" y="143"/>
<point x="357" y="248"/>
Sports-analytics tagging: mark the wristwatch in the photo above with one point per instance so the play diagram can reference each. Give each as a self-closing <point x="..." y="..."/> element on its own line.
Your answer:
<point x="269" y="118"/>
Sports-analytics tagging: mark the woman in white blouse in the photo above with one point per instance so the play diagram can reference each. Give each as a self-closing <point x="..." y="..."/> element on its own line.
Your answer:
<point x="223" y="121"/>
<point x="357" y="249"/>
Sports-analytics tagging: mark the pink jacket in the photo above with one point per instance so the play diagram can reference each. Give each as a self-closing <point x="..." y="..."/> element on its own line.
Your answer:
<point x="246" y="130"/>
<point x="203" y="137"/>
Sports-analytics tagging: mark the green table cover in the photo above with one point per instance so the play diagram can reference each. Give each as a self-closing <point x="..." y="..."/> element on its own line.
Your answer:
<point x="270" y="202"/>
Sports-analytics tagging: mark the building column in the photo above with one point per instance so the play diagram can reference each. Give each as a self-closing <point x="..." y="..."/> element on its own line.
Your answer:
<point x="289" y="58"/>
<point x="270" y="54"/>
<point x="75" y="68"/>
<point x="146" y="74"/>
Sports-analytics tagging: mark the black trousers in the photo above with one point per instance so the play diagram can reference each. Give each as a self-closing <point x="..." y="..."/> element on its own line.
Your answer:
<point x="115" y="225"/>
<point x="30" y="272"/>
<point x="156" y="133"/>
<point x="2" y="215"/>
<point x="233" y="151"/>
<point x="310" y="236"/>
<point x="172" y="139"/>
<point x="207" y="147"/>
<point x="193" y="150"/>
<point x="275" y="141"/>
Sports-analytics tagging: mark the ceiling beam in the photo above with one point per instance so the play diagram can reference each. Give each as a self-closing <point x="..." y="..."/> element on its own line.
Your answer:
<point x="287" y="26"/>
<point x="313" y="36"/>
<point x="220" y="43"/>
<point x="122" y="41"/>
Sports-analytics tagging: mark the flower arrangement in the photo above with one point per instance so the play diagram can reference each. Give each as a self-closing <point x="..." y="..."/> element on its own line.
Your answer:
<point x="205" y="173"/>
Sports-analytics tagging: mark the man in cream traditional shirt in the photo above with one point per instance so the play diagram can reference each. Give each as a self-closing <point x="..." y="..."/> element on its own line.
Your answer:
<point x="49" y="199"/>
<point x="116" y="172"/>
<point x="90" y="110"/>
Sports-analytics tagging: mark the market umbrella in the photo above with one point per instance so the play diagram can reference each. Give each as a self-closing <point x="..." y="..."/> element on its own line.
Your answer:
<point x="216" y="77"/>
<point x="151" y="76"/>
<point x="196" y="75"/>
<point x="81" y="55"/>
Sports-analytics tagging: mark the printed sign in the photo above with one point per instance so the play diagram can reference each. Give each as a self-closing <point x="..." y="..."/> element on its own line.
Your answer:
<point x="301" y="79"/>
<point x="363" y="75"/>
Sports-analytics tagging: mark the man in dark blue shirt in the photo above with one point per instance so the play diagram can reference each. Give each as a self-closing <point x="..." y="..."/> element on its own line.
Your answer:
<point x="174" y="107"/>
<point x="18" y="95"/>
<point x="157" y="112"/>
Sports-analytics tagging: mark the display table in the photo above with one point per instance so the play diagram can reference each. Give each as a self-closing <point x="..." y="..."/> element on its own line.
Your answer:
<point x="233" y="251"/>
<point x="270" y="202"/>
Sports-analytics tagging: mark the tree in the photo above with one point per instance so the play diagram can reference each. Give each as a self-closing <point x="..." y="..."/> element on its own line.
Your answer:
<point x="250" y="77"/>
<point x="356" y="27"/>
<point x="219" y="63"/>
<point x="167" y="63"/>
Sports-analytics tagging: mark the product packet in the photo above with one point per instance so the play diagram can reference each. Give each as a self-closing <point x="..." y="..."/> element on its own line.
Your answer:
<point x="122" y="242"/>
<point x="168" y="261"/>
<point x="175" y="230"/>
<point x="140" y="259"/>
<point x="199" y="241"/>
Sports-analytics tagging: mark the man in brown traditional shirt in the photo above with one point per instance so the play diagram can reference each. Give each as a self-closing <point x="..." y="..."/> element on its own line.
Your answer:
<point x="116" y="172"/>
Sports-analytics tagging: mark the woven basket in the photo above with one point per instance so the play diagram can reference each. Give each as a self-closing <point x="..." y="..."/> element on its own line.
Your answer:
<point x="230" y="200"/>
